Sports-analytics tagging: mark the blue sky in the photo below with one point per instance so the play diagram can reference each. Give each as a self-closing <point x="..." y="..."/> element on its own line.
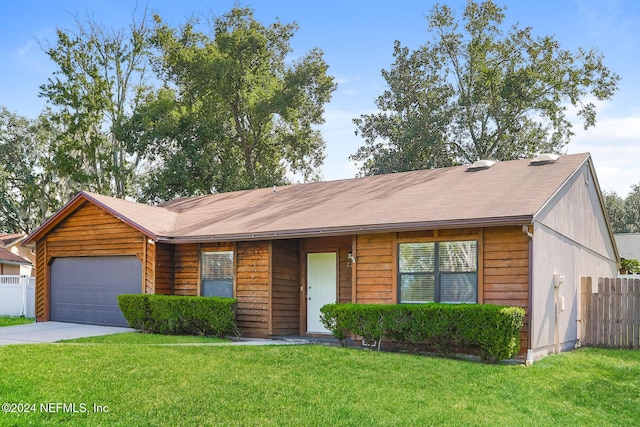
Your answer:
<point x="357" y="38"/>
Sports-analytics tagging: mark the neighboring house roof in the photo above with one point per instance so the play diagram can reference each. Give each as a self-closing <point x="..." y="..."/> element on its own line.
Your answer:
<point x="509" y="192"/>
<point x="8" y="257"/>
<point x="11" y="239"/>
<point x="628" y="245"/>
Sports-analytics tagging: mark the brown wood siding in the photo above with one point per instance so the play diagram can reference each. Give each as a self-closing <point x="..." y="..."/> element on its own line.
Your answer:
<point x="186" y="269"/>
<point x="375" y="268"/>
<point x="503" y="266"/>
<point x="164" y="269"/>
<point x="506" y="271"/>
<point x="285" y="287"/>
<point x="88" y="231"/>
<point x="252" y="288"/>
<point x="150" y="268"/>
<point x="42" y="271"/>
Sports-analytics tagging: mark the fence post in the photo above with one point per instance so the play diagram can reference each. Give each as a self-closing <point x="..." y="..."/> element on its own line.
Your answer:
<point x="23" y="286"/>
<point x="584" y="320"/>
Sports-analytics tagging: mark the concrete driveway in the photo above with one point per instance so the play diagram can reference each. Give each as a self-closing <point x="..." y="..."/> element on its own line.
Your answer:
<point x="42" y="332"/>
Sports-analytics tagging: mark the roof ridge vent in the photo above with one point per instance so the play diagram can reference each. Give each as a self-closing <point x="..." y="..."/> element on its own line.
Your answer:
<point x="481" y="164"/>
<point x="544" y="159"/>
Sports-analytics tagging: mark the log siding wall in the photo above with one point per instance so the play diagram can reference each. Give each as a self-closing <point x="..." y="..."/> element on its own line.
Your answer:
<point x="506" y="271"/>
<point x="164" y="268"/>
<point x="186" y="269"/>
<point x="269" y="274"/>
<point x="374" y="269"/>
<point x="149" y="272"/>
<point x="503" y="266"/>
<point x="88" y="231"/>
<point x="285" y="291"/>
<point x="253" y="285"/>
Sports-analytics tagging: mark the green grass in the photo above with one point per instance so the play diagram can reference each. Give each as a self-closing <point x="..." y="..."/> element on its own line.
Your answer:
<point x="313" y="385"/>
<point x="14" y="320"/>
<point x="140" y="338"/>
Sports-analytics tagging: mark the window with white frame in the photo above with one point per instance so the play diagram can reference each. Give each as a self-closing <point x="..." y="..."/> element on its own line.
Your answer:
<point x="438" y="272"/>
<point x="217" y="274"/>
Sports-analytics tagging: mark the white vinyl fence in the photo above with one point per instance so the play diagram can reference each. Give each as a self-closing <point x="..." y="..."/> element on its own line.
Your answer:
<point x="17" y="296"/>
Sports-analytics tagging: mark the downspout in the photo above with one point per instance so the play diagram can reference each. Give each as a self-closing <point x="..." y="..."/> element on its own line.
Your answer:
<point x="525" y="229"/>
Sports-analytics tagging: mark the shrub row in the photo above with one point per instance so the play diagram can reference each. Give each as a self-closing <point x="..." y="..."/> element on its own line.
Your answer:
<point x="493" y="330"/>
<point x="179" y="315"/>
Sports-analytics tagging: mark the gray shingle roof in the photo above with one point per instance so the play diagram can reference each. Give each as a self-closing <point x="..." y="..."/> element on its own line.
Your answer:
<point x="510" y="191"/>
<point x="628" y="245"/>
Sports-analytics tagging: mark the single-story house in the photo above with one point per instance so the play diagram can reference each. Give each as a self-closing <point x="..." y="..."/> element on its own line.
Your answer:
<point x="501" y="233"/>
<point x="12" y="264"/>
<point x="15" y="259"/>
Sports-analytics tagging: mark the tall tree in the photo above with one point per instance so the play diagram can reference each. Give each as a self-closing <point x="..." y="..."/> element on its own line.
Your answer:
<point x="97" y="82"/>
<point x="624" y="214"/>
<point x="475" y="91"/>
<point x="632" y="207"/>
<point x="235" y="113"/>
<point x="29" y="184"/>
<point x="616" y="211"/>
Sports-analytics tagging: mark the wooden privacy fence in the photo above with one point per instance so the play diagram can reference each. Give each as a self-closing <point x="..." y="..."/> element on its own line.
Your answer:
<point x="610" y="314"/>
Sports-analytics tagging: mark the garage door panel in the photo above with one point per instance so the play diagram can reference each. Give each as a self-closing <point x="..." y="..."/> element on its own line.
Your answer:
<point x="85" y="289"/>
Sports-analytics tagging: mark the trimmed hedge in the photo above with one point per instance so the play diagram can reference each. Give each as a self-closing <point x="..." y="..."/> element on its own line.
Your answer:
<point x="493" y="330"/>
<point x="179" y="315"/>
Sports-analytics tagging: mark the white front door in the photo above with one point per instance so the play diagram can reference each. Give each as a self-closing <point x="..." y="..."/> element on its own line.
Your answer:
<point x="321" y="287"/>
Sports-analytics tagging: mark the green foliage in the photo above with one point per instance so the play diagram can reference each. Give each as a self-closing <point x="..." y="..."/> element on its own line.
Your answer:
<point x="624" y="214"/>
<point x="632" y="266"/>
<point x="140" y="338"/>
<point x="136" y="310"/>
<point x="632" y="207"/>
<point x="313" y="385"/>
<point x="228" y="110"/>
<point x="494" y="330"/>
<point x="616" y="211"/>
<point x="100" y="73"/>
<point x="14" y="320"/>
<point x="234" y="113"/>
<point x="475" y="91"/>
<point x="30" y="187"/>
<point x="180" y="315"/>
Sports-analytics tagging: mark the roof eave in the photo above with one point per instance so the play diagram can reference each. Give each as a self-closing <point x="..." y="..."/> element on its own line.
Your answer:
<point x="349" y="230"/>
<point x="9" y="262"/>
<point x="74" y="204"/>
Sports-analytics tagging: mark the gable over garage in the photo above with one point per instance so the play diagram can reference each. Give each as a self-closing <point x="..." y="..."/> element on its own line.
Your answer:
<point x="87" y="257"/>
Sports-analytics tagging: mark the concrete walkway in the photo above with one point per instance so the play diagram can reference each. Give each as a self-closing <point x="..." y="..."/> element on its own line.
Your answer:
<point x="50" y="332"/>
<point x="46" y="332"/>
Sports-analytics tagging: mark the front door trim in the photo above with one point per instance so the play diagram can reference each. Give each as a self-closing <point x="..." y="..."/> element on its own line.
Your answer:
<point x="304" y="315"/>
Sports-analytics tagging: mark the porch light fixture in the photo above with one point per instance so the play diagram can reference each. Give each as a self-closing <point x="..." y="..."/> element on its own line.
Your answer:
<point x="351" y="258"/>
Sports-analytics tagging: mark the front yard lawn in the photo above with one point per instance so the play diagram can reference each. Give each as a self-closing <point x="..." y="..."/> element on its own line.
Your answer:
<point x="14" y="320"/>
<point x="135" y="385"/>
<point x="141" y="338"/>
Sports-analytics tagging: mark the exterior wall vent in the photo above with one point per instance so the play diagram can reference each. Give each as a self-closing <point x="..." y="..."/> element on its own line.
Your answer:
<point x="544" y="159"/>
<point x="481" y="164"/>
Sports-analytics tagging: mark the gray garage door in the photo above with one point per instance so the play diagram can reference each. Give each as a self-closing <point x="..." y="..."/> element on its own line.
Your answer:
<point x="84" y="289"/>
